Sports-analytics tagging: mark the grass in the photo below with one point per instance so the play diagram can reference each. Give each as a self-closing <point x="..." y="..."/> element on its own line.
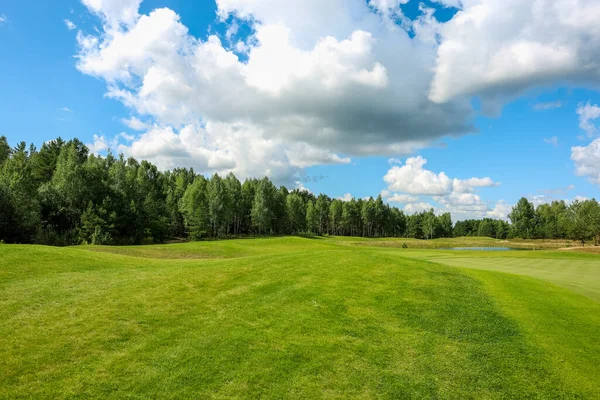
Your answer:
<point x="292" y="318"/>
<point x="575" y="271"/>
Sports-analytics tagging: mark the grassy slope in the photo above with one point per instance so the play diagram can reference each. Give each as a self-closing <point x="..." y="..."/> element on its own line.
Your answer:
<point x="284" y="318"/>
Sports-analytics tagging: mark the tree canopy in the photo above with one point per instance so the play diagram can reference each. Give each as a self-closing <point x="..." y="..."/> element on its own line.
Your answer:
<point x="63" y="195"/>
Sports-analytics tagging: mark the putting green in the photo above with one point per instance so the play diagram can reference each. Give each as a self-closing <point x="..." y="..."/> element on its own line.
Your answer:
<point x="575" y="271"/>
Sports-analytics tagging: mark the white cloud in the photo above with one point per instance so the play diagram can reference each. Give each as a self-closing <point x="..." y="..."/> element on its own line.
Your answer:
<point x="469" y="185"/>
<point x="388" y="8"/>
<point x="547" y="106"/>
<point x="588" y="113"/>
<point x="456" y="196"/>
<point x="496" y="49"/>
<point x="580" y="198"/>
<point x="301" y="187"/>
<point x="66" y="109"/>
<point x="115" y="12"/>
<point x="500" y="211"/>
<point x="587" y="160"/>
<point x="413" y="179"/>
<point x="70" y="25"/>
<point x="540" y="199"/>
<point x="125" y="136"/>
<point x="552" y="141"/>
<point x="303" y="155"/>
<point x="315" y="92"/>
<point x="398" y="198"/>
<point x="345" y="197"/>
<point x="100" y="144"/>
<point x="417" y="208"/>
<point x="3" y="19"/>
<point x="136" y="124"/>
<point x="322" y="82"/>
<point x="402" y="198"/>
<point x="168" y="148"/>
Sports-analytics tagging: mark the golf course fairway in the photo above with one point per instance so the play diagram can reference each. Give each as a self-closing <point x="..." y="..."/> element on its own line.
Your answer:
<point x="292" y="317"/>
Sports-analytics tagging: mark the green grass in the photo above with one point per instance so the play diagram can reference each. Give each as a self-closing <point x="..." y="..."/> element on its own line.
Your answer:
<point x="575" y="271"/>
<point x="291" y="318"/>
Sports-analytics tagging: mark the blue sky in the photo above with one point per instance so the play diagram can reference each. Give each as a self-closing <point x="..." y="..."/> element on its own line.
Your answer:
<point x="320" y="95"/>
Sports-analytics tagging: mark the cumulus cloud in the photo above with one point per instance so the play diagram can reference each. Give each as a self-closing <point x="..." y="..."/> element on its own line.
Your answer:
<point x="515" y="45"/>
<point x="413" y="179"/>
<point x="407" y="182"/>
<point x="321" y="82"/>
<point x="587" y="160"/>
<point x="587" y="114"/>
<point x="500" y="211"/>
<point x="313" y="91"/>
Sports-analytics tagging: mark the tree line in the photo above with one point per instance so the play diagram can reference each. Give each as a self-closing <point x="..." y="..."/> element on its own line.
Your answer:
<point x="63" y="195"/>
<point x="579" y="220"/>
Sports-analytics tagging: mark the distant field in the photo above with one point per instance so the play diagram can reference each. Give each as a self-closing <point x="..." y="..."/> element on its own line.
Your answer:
<point x="298" y="318"/>
<point x="536" y="244"/>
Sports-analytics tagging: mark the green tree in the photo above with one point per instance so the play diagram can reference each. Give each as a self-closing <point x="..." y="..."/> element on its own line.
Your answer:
<point x="368" y="216"/>
<point x="296" y="213"/>
<point x="430" y="225"/>
<point x="522" y="217"/>
<point x="335" y="216"/>
<point x="322" y="210"/>
<point x="194" y="207"/>
<point x="581" y="215"/>
<point x="487" y="228"/>
<point x="445" y="225"/>
<point x="311" y="217"/>
<point x="19" y="196"/>
<point x="501" y="229"/>
<point x="262" y="208"/>
<point x="219" y="206"/>
<point x="234" y="188"/>
<point x="4" y="150"/>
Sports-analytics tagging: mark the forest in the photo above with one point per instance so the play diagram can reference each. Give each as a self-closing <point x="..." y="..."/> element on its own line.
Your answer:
<point x="63" y="195"/>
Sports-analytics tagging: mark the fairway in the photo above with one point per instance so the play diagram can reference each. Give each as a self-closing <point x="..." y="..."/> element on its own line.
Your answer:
<point x="295" y="317"/>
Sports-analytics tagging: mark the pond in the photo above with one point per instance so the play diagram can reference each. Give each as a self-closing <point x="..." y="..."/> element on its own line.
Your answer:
<point x="479" y="248"/>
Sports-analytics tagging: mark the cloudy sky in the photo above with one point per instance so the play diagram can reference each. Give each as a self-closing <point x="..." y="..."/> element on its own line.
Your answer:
<point x="461" y="105"/>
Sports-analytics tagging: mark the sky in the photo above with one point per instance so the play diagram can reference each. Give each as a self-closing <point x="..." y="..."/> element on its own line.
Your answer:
<point x="458" y="105"/>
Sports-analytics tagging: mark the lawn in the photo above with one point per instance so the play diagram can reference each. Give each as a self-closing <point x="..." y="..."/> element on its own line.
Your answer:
<point x="295" y="318"/>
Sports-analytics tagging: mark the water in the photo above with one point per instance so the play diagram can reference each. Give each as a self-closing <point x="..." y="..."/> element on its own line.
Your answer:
<point x="479" y="248"/>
